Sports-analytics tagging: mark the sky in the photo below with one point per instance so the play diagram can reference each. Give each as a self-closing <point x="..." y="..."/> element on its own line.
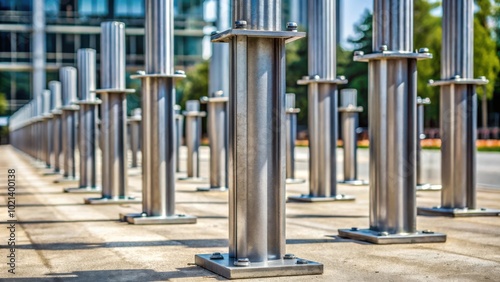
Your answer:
<point x="351" y="14"/>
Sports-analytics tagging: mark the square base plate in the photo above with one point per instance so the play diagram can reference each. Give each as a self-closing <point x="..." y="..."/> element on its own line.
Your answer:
<point x="112" y="201"/>
<point x="66" y="179"/>
<point x="378" y="238"/>
<point x="438" y="211"/>
<point x="211" y="189"/>
<point x="83" y="190"/>
<point x="295" y="181"/>
<point x="272" y="268"/>
<point x="428" y="187"/>
<point x="137" y="218"/>
<point x="310" y="199"/>
<point x="355" y="182"/>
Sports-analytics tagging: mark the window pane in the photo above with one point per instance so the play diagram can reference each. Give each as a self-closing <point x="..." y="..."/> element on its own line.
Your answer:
<point x="92" y="7"/>
<point x="129" y="8"/>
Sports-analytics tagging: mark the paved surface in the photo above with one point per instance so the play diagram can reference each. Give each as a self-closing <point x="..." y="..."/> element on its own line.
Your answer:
<point x="61" y="239"/>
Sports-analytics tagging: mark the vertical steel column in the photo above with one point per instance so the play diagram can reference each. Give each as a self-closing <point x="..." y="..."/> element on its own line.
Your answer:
<point x="349" y="120"/>
<point x="193" y="117"/>
<point x="322" y="100"/>
<point x="87" y="138"/>
<point x="68" y="122"/>
<point x="134" y="123"/>
<point x="458" y="112"/>
<point x="113" y="117"/>
<point x="257" y="147"/>
<point x="38" y="47"/>
<point x="421" y="185"/>
<point x="158" y="120"/>
<point x="291" y="137"/>
<point x="46" y="128"/>
<point x="55" y="106"/>
<point x="393" y="128"/>
<point x="179" y="132"/>
<point x="217" y="136"/>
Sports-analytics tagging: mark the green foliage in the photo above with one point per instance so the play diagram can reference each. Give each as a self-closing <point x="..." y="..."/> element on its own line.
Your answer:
<point x="428" y="33"/>
<point x="195" y="85"/>
<point x="296" y="68"/>
<point x="4" y="105"/>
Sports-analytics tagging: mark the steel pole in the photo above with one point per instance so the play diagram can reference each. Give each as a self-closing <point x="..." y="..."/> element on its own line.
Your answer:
<point x="46" y="129"/>
<point x="349" y="112"/>
<point x="38" y="47"/>
<point x="158" y="120"/>
<point x="68" y="122"/>
<point x="217" y="136"/>
<point x="56" y="104"/>
<point x="322" y="99"/>
<point x="458" y="114"/>
<point x="257" y="146"/>
<point x="87" y="116"/>
<point x="291" y="137"/>
<point x="421" y="185"/>
<point x="393" y="128"/>
<point x="113" y="117"/>
<point x="134" y="123"/>
<point x="179" y="132"/>
<point x="192" y="117"/>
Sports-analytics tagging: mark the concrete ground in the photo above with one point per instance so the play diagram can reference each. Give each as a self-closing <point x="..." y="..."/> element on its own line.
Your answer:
<point x="60" y="239"/>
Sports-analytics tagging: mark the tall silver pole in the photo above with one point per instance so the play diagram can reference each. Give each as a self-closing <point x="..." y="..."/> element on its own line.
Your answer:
<point x="192" y="117"/>
<point x="458" y="114"/>
<point x="56" y="104"/>
<point x="134" y="123"/>
<point x="179" y="132"/>
<point x="349" y="112"/>
<point x="322" y="99"/>
<point x="291" y="137"/>
<point x="217" y="135"/>
<point x="38" y="47"/>
<point x="46" y="128"/>
<point x="393" y="128"/>
<point x="158" y="120"/>
<point x="87" y="137"/>
<point x="68" y="122"/>
<point x="257" y="146"/>
<point x="113" y="117"/>
<point x="421" y="185"/>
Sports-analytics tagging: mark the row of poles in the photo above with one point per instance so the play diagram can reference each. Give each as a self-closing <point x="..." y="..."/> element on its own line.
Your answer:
<point x="261" y="126"/>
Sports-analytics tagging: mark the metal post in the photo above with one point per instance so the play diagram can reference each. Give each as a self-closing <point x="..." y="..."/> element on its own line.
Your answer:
<point x="113" y="117"/>
<point x="421" y="185"/>
<point x="46" y="129"/>
<point x="87" y="137"/>
<point x="393" y="128"/>
<point x="134" y="123"/>
<point x="56" y="104"/>
<point x="349" y="112"/>
<point x="158" y="120"/>
<point x="38" y="47"/>
<point x="193" y="117"/>
<point x="179" y="132"/>
<point x="291" y="137"/>
<point x="68" y="122"/>
<point x="257" y="147"/>
<point x="217" y="135"/>
<point x="458" y="113"/>
<point x="322" y="101"/>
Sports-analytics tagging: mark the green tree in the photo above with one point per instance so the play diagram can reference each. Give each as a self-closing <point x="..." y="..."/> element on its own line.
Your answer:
<point x="296" y="68"/>
<point x="4" y="105"/>
<point x="195" y="85"/>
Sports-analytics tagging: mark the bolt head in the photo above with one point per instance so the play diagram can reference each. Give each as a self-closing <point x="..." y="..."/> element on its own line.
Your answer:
<point x="181" y="215"/>
<point x="427" y="231"/>
<point x="341" y="77"/>
<point x="359" y="53"/>
<point x="383" y="233"/>
<point x="291" y="26"/>
<point x="482" y="77"/>
<point x="302" y="261"/>
<point x="216" y="256"/>
<point x="315" y="77"/>
<point x="354" y="229"/>
<point x="144" y="214"/>
<point x="423" y="50"/>
<point x="141" y="72"/>
<point x="383" y="48"/>
<point x="204" y="99"/>
<point x="242" y="262"/>
<point x="289" y="256"/>
<point x="240" y="24"/>
<point x="181" y="72"/>
<point x="213" y="33"/>
<point x="456" y="76"/>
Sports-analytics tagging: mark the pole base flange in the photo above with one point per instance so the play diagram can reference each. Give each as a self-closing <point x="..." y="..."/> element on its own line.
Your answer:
<point x="439" y="211"/>
<point x="87" y="189"/>
<point x="381" y="238"/>
<point x="112" y="201"/>
<point x="66" y="179"/>
<point x="295" y="181"/>
<point x="354" y="182"/>
<point x="212" y="189"/>
<point x="140" y="219"/>
<point x="272" y="268"/>
<point x="428" y="187"/>
<point x="310" y="199"/>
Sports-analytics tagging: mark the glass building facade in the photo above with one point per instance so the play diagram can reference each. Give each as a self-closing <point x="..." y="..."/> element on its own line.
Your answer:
<point x="74" y="24"/>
